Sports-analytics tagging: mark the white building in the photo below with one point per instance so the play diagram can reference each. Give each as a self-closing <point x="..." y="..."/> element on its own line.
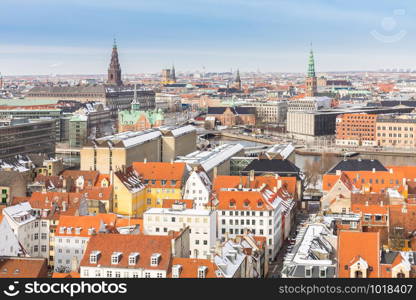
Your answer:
<point x="32" y="233"/>
<point x="72" y="236"/>
<point x="198" y="188"/>
<point x="202" y="224"/>
<point x="9" y="245"/>
<point x="258" y="210"/>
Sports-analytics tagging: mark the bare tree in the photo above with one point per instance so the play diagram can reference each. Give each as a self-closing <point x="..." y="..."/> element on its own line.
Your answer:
<point x="312" y="172"/>
<point x="327" y="161"/>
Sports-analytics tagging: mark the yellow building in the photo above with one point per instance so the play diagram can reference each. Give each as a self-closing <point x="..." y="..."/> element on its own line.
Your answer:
<point x="110" y="153"/>
<point x="163" y="180"/>
<point x="129" y="193"/>
<point x="146" y="185"/>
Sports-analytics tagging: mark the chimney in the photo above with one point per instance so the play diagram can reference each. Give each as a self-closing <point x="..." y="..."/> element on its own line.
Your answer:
<point x="251" y="176"/>
<point x="64" y="206"/>
<point x="215" y="173"/>
<point x="374" y="170"/>
<point x="276" y="176"/>
<point x="391" y="171"/>
<point x="279" y="183"/>
<point x="145" y="160"/>
<point x="171" y="161"/>
<point x="338" y="172"/>
<point x="240" y="186"/>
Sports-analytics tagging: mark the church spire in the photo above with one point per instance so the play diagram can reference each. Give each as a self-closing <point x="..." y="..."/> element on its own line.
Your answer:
<point x="173" y="74"/>
<point x="114" y="70"/>
<point x="311" y="81"/>
<point x="311" y="64"/>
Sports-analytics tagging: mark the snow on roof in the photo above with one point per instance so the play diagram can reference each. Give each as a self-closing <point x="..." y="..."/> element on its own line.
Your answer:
<point x="18" y="211"/>
<point x="284" y="150"/>
<point x="131" y="138"/>
<point x="179" y="130"/>
<point x="210" y="159"/>
<point x="313" y="239"/>
<point x="230" y="260"/>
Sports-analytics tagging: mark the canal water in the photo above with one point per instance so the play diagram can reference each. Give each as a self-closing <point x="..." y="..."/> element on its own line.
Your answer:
<point x="301" y="160"/>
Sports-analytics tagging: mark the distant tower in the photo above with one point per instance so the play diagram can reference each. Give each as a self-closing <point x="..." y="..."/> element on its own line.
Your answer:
<point x="173" y="75"/>
<point x="114" y="70"/>
<point x="311" y="81"/>
<point x="135" y="104"/>
<point x="1" y="81"/>
<point x="238" y="80"/>
<point x="166" y="76"/>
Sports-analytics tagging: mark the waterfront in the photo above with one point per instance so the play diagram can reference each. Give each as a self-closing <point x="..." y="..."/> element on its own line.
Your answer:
<point x="301" y="160"/>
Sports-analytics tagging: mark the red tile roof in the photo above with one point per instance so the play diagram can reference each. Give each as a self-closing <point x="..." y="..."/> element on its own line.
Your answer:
<point x="145" y="245"/>
<point x="189" y="267"/>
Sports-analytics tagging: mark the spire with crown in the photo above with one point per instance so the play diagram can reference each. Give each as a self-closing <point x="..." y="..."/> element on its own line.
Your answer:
<point x="311" y="64"/>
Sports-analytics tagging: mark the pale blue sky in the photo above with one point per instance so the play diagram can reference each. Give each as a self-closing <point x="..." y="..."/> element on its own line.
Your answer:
<point x="75" y="36"/>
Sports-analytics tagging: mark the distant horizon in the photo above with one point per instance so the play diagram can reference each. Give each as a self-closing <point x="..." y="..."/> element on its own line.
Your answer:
<point x="75" y="37"/>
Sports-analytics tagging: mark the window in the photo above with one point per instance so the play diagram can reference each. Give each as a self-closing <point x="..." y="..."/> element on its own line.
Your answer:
<point x="147" y="275"/>
<point x="308" y="272"/>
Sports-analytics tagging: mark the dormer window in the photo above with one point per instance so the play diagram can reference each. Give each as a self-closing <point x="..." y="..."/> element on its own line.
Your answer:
<point x="91" y="231"/>
<point x="173" y="182"/>
<point x="308" y="272"/>
<point x="133" y="258"/>
<point x="115" y="258"/>
<point x="78" y="230"/>
<point x="232" y="203"/>
<point x="260" y="203"/>
<point x="163" y="182"/>
<point x="246" y="203"/>
<point x="94" y="257"/>
<point x="202" y="271"/>
<point x="322" y="272"/>
<point x="62" y="229"/>
<point x="69" y="230"/>
<point x="176" y="271"/>
<point x="154" y="259"/>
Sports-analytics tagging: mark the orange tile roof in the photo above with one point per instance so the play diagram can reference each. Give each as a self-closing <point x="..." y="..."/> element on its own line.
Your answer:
<point x="97" y="193"/>
<point x="123" y="222"/>
<point x="353" y="245"/>
<point x="66" y="275"/>
<point x="88" y="175"/>
<point x="222" y="181"/>
<point x="85" y="222"/>
<point x="23" y="267"/>
<point x="101" y="177"/>
<point x="380" y="180"/>
<point x="145" y="245"/>
<point x="190" y="267"/>
<point x="370" y="209"/>
<point x="46" y="200"/>
<point x="161" y="171"/>
<point x="241" y="200"/>
<point x="408" y="172"/>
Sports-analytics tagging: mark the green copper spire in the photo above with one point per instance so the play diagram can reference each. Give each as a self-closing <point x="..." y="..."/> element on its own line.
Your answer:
<point x="311" y="65"/>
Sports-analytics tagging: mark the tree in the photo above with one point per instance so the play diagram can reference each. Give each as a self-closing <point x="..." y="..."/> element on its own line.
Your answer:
<point x="312" y="172"/>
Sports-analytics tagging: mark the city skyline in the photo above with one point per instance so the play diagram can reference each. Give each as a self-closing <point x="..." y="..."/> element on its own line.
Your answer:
<point x="266" y="36"/>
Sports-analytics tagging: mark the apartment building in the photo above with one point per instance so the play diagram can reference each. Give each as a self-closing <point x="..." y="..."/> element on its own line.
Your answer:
<point x="397" y="131"/>
<point x="356" y="130"/>
<point x="198" y="188"/>
<point x="72" y="236"/>
<point x="202" y="224"/>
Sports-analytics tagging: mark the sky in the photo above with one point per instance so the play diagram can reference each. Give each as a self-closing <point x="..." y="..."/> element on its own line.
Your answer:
<point x="76" y="36"/>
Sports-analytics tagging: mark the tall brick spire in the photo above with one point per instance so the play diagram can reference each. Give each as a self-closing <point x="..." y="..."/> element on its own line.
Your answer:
<point x="311" y="81"/>
<point x="114" y="70"/>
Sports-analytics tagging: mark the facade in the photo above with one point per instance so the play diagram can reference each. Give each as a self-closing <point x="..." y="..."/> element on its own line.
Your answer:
<point x="202" y="224"/>
<point x="396" y="131"/>
<point x="177" y="141"/>
<point x="72" y="236"/>
<point x="32" y="234"/>
<point x="198" y="188"/>
<point x="27" y="137"/>
<point x="270" y="112"/>
<point x="168" y="102"/>
<point x="258" y="211"/>
<point x="110" y="153"/>
<point x="12" y="184"/>
<point x="231" y="116"/>
<point x="137" y="120"/>
<point x="356" y="130"/>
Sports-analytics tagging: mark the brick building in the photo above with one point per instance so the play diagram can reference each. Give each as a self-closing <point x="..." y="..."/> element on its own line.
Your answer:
<point x="230" y="116"/>
<point x="356" y="130"/>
